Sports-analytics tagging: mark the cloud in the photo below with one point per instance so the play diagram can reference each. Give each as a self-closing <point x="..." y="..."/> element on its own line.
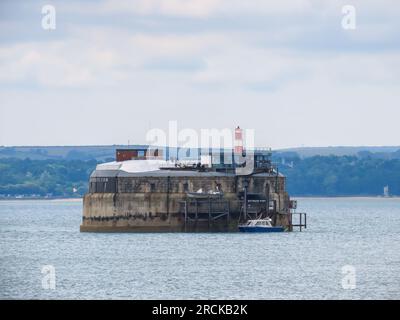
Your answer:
<point x="234" y="60"/>
<point x="201" y="9"/>
<point x="194" y="8"/>
<point x="102" y="56"/>
<point x="49" y="65"/>
<point x="188" y="8"/>
<point x="111" y="56"/>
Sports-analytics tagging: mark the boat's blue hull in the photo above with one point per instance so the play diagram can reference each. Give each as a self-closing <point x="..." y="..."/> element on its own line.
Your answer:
<point x="261" y="229"/>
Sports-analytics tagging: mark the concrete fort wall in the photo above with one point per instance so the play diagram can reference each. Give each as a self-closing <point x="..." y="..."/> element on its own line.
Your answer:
<point x="153" y="204"/>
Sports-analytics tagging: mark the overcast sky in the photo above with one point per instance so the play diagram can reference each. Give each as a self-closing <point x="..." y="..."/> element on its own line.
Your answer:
<point x="111" y="70"/>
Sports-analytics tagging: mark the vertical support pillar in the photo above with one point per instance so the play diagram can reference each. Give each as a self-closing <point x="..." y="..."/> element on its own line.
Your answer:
<point x="300" y="221"/>
<point x="228" y="215"/>
<point x="186" y="216"/>
<point x="168" y="189"/>
<point x="196" y="214"/>
<point x="245" y="202"/>
<point x="267" y="194"/>
<point x="209" y="214"/>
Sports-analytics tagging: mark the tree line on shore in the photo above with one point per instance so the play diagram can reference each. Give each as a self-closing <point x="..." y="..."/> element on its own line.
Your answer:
<point x="341" y="175"/>
<point x="313" y="176"/>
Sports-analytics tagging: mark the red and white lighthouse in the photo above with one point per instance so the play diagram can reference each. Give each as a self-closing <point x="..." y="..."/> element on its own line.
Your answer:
<point x="238" y="142"/>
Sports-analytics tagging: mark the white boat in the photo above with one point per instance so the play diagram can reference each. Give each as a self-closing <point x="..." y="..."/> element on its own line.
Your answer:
<point x="260" y="225"/>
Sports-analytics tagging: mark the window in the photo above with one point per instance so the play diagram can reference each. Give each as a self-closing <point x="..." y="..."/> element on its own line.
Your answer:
<point x="141" y="153"/>
<point x="185" y="187"/>
<point x="152" y="187"/>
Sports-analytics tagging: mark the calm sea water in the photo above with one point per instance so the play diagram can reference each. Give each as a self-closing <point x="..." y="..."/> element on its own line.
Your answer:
<point x="362" y="233"/>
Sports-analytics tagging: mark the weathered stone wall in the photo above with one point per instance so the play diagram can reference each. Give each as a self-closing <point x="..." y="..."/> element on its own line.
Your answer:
<point x="153" y="203"/>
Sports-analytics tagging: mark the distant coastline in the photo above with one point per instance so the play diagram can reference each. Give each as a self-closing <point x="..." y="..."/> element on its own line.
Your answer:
<point x="61" y="172"/>
<point x="41" y="199"/>
<point x="107" y="152"/>
<point x="348" y="197"/>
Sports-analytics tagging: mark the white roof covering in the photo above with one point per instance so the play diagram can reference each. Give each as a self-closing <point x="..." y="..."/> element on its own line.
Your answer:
<point x="133" y="166"/>
<point x="152" y="168"/>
